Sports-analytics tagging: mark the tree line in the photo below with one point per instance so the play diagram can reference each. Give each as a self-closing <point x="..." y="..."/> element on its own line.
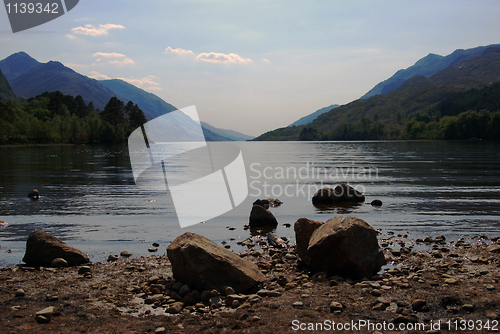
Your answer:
<point x="53" y="117"/>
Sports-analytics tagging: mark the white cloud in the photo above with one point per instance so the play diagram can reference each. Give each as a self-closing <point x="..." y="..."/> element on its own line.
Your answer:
<point x="265" y="60"/>
<point x="221" y="58"/>
<point x="126" y="61"/>
<point x="109" y="55"/>
<point x="178" y="51"/>
<point x="98" y="76"/>
<point x="150" y="81"/>
<point x="71" y="36"/>
<point x="91" y="30"/>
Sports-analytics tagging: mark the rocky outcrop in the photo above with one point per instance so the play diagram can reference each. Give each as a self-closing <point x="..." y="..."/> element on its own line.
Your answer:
<point x="342" y="193"/>
<point x="268" y="202"/>
<point x="42" y="248"/>
<point x="204" y="265"/>
<point x="261" y="217"/>
<point x="34" y="194"/>
<point x="346" y="246"/>
<point x="304" y="228"/>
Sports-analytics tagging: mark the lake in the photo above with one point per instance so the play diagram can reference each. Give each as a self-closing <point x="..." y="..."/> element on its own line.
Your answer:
<point x="89" y="198"/>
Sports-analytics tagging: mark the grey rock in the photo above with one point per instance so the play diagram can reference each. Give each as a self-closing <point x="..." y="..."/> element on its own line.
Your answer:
<point x="204" y="265"/>
<point x="42" y="248"/>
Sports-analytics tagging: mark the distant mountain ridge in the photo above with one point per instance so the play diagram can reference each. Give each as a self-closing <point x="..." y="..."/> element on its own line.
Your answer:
<point x="419" y="94"/>
<point x="30" y="78"/>
<point x="54" y="76"/>
<point x="427" y="66"/>
<point x="17" y="64"/>
<point x="311" y="117"/>
<point x="151" y="105"/>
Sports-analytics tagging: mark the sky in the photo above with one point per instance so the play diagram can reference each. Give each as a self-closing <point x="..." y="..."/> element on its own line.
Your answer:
<point x="253" y="66"/>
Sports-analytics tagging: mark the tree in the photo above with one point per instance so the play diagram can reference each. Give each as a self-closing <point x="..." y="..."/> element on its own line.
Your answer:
<point x="114" y="112"/>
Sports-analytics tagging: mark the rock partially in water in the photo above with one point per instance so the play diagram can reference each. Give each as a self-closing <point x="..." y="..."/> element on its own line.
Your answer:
<point x="42" y="248"/>
<point x="203" y="264"/>
<point x="376" y="202"/>
<point x="261" y="217"/>
<point x="342" y="193"/>
<point x="346" y="246"/>
<point x="34" y="195"/>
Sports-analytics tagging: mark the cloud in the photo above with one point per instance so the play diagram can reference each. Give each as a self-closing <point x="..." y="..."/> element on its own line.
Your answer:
<point x="221" y="58"/>
<point x="150" y="81"/>
<point x="266" y="61"/>
<point x="98" y="76"/>
<point x="113" y="55"/>
<point x="126" y="61"/>
<point x="91" y="30"/>
<point x="178" y="51"/>
<point x="71" y="36"/>
<point x="109" y="55"/>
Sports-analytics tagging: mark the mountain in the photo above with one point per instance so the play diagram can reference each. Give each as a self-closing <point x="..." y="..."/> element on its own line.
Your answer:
<point x="231" y="134"/>
<point x="53" y="76"/>
<point x="6" y="92"/>
<point x="427" y="66"/>
<point x="416" y="95"/>
<point x="152" y="105"/>
<point x="311" y="117"/>
<point x="17" y="64"/>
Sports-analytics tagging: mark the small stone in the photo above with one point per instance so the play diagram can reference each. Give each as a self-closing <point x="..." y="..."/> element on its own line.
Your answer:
<point x="380" y="307"/>
<point x="417" y="304"/>
<point x="451" y="281"/>
<point x="274" y="294"/>
<point x="229" y="291"/>
<point x="298" y="304"/>
<point x="376" y="293"/>
<point x="493" y="248"/>
<point x="113" y="258"/>
<point x="335" y="306"/>
<point x="205" y="296"/>
<point x="175" y="308"/>
<point x="160" y="330"/>
<point x="155" y="244"/>
<point x="184" y="290"/>
<point x="152" y="249"/>
<point x="126" y="253"/>
<point x="59" y="263"/>
<point x="83" y="270"/>
<point x="235" y="304"/>
<point x="46" y="312"/>
<point x="51" y="298"/>
<point x="154" y="280"/>
<point x="376" y="202"/>
<point x="468" y="307"/>
<point x="489" y="287"/>
<point x="20" y="293"/>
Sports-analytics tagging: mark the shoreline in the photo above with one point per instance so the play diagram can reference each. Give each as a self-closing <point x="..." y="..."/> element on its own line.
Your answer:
<point x="448" y="281"/>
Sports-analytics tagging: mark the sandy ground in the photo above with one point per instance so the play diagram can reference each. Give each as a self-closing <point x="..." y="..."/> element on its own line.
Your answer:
<point x="445" y="287"/>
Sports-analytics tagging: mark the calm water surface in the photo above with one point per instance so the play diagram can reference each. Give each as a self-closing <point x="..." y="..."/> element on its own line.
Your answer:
<point x="90" y="201"/>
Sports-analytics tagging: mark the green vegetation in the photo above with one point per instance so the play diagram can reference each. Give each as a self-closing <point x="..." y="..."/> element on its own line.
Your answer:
<point x="57" y="118"/>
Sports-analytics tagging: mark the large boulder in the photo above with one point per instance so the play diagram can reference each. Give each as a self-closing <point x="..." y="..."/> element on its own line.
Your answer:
<point x="261" y="217"/>
<point x="342" y="193"/>
<point x="42" y="248"/>
<point x="346" y="246"/>
<point x="205" y="265"/>
<point x="304" y="228"/>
